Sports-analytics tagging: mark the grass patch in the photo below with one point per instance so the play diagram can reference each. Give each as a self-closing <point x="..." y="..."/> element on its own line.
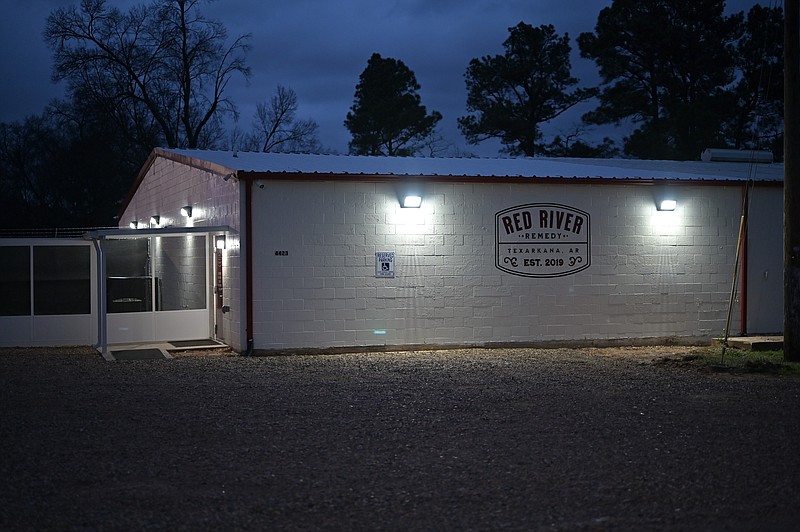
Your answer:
<point x="736" y="361"/>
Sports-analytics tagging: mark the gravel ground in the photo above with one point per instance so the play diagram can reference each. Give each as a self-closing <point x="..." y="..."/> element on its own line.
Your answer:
<point x="511" y="439"/>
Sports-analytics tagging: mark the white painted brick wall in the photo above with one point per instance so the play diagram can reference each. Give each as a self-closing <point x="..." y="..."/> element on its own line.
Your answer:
<point x="653" y="274"/>
<point x="166" y="188"/>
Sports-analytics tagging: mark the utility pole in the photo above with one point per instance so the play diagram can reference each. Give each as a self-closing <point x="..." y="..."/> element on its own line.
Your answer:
<point x="791" y="182"/>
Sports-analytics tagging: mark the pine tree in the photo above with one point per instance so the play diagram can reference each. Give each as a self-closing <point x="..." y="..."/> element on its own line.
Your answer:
<point x="666" y="65"/>
<point x="510" y="95"/>
<point x="387" y="117"/>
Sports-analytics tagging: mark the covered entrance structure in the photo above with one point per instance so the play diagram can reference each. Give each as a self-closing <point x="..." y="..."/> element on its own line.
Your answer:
<point x="156" y="285"/>
<point x="115" y="286"/>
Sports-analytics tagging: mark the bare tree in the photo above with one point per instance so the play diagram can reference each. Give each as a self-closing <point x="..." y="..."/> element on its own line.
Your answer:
<point x="276" y="127"/>
<point x="570" y="143"/>
<point x="162" y="63"/>
<point x="435" y="145"/>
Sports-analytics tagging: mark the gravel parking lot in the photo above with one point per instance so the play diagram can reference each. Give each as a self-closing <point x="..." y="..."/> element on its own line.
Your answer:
<point x="511" y="439"/>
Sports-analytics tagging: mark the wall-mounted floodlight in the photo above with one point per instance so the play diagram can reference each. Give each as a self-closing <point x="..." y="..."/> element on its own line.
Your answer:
<point x="411" y="202"/>
<point x="666" y="204"/>
<point x="186" y="211"/>
<point x="219" y="242"/>
<point x="134" y="224"/>
<point x="155" y="220"/>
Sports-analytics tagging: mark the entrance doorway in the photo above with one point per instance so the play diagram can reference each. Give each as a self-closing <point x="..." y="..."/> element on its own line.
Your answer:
<point x="156" y="288"/>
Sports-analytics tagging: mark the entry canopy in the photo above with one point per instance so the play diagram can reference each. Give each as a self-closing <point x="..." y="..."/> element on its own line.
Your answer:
<point x="98" y="236"/>
<point x="102" y="234"/>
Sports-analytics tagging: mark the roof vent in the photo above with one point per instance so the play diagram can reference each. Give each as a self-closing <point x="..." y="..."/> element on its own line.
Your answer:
<point x="735" y="156"/>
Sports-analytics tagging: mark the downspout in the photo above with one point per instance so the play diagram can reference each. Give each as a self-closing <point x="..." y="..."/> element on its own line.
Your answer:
<point x="248" y="254"/>
<point x="746" y="231"/>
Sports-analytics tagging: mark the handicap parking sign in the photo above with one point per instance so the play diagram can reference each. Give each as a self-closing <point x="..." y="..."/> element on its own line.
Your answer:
<point x="384" y="264"/>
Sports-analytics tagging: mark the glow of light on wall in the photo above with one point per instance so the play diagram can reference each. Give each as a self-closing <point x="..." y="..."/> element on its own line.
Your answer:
<point x="666" y="221"/>
<point x="409" y="221"/>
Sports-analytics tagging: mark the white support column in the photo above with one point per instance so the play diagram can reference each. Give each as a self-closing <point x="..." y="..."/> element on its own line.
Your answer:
<point x="102" y="300"/>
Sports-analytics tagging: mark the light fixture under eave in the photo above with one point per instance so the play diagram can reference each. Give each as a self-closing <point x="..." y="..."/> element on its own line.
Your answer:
<point x="219" y="242"/>
<point x="667" y="205"/>
<point x="411" y="202"/>
<point x="134" y="224"/>
<point x="186" y="211"/>
<point x="155" y="220"/>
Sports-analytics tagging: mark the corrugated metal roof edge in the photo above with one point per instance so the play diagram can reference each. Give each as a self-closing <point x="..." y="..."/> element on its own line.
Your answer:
<point x="671" y="170"/>
<point x="182" y="156"/>
<point x="673" y="178"/>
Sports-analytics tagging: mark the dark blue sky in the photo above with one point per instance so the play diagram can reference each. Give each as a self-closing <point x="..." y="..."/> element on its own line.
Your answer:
<point x="320" y="47"/>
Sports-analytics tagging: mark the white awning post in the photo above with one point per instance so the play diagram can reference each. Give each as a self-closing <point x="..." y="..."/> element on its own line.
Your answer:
<point x="102" y="299"/>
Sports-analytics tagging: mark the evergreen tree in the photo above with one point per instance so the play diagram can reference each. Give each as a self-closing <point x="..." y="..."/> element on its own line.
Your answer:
<point x="510" y="95"/>
<point x="665" y="65"/>
<point x="757" y="120"/>
<point x="387" y="117"/>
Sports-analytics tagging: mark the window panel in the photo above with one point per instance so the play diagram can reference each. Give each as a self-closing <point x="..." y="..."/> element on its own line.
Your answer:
<point x="129" y="283"/>
<point x="61" y="280"/>
<point x="180" y="270"/>
<point x="15" y="283"/>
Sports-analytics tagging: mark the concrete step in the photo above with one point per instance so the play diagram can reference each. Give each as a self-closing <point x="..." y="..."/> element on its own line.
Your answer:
<point x="755" y="343"/>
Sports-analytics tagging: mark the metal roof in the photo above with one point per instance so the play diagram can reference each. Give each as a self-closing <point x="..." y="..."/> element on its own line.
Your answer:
<point x="539" y="167"/>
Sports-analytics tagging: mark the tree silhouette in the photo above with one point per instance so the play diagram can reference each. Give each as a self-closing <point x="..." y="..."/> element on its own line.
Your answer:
<point x="162" y="64"/>
<point x="665" y="65"/>
<point x="68" y="167"/>
<point x="387" y="117"/>
<point x="510" y="95"/>
<point x="756" y="120"/>
<point x="277" y="128"/>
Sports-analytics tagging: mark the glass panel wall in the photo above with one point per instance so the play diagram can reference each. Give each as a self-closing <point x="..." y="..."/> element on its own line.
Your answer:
<point x="180" y="270"/>
<point x="61" y="280"/>
<point x="158" y="273"/>
<point x="15" y="283"/>
<point x="129" y="283"/>
<point x="143" y="275"/>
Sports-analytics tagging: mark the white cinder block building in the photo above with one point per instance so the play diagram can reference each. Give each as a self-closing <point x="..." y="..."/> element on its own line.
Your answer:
<point x="319" y="251"/>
